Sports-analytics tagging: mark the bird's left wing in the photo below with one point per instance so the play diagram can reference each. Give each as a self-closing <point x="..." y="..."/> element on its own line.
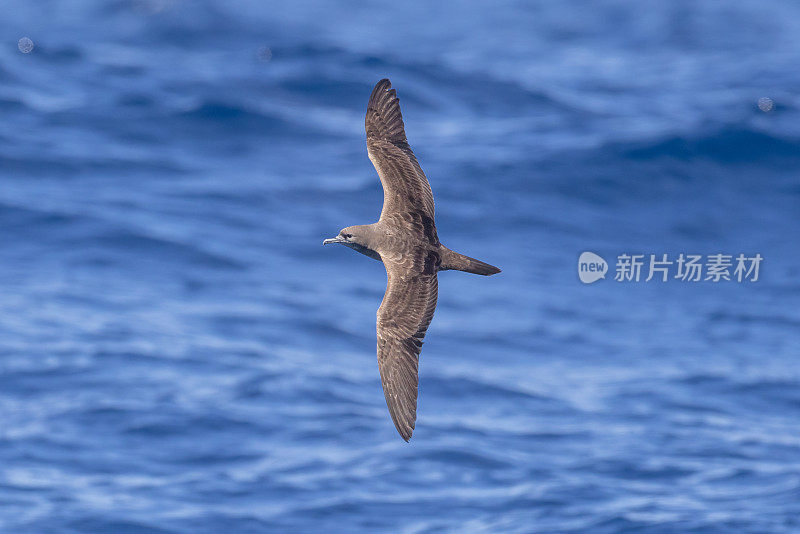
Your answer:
<point x="403" y="318"/>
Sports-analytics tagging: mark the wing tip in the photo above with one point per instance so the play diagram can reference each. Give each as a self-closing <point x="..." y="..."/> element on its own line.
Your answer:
<point x="404" y="423"/>
<point x="384" y="120"/>
<point x="405" y="433"/>
<point x="382" y="95"/>
<point x="383" y="86"/>
<point x="404" y="427"/>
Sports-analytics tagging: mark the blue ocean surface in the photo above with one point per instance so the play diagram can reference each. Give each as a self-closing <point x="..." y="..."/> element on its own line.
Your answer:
<point x="179" y="353"/>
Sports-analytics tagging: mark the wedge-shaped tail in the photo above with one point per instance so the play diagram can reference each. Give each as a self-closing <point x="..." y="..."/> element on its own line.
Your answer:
<point x="459" y="262"/>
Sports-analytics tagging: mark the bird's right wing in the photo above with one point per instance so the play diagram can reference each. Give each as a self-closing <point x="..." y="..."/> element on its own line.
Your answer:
<point x="405" y="187"/>
<point x="403" y="318"/>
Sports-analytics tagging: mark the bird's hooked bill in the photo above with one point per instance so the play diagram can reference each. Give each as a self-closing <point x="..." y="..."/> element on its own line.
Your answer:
<point x="336" y="239"/>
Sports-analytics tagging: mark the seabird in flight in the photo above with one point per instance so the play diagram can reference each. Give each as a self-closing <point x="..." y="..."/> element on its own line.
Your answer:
<point x="405" y="240"/>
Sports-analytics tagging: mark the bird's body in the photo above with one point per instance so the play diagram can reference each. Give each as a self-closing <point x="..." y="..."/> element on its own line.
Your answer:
<point x="405" y="240"/>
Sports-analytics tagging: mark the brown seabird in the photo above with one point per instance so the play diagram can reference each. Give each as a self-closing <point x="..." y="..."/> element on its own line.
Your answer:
<point x="405" y="240"/>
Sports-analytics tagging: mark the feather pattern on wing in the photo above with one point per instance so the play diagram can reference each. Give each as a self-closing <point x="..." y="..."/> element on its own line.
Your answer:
<point x="405" y="186"/>
<point x="403" y="318"/>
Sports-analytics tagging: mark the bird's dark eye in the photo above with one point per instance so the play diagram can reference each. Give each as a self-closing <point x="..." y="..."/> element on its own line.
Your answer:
<point x="347" y="236"/>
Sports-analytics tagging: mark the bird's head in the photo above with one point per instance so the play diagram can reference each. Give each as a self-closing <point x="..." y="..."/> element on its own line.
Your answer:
<point x="360" y="238"/>
<point x="345" y="236"/>
<point x="349" y="235"/>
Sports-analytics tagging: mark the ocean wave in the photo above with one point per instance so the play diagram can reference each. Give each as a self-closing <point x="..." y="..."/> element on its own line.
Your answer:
<point x="733" y="145"/>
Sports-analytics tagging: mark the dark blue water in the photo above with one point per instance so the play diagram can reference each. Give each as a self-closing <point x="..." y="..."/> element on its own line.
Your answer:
<point x="178" y="352"/>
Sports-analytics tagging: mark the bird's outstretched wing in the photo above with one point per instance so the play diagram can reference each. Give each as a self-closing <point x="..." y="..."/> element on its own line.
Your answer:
<point x="403" y="319"/>
<point x="405" y="187"/>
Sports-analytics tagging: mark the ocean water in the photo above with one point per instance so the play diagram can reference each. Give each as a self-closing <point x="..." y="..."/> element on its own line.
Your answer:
<point x="178" y="352"/>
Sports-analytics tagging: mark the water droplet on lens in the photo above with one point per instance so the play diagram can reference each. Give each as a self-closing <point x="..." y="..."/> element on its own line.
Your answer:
<point x="264" y="53"/>
<point x="765" y="104"/>
<point x="25" y="45"/>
